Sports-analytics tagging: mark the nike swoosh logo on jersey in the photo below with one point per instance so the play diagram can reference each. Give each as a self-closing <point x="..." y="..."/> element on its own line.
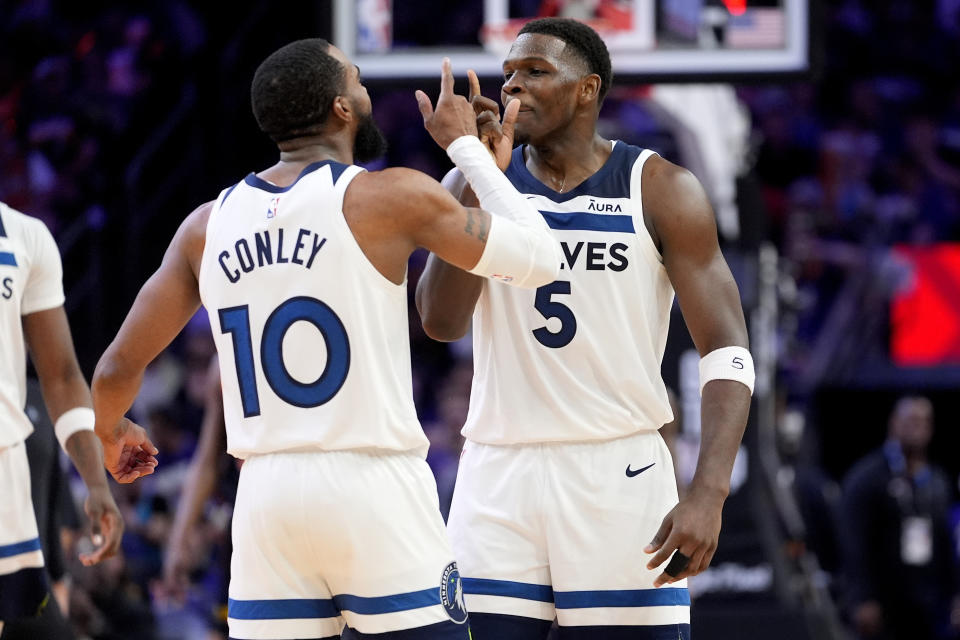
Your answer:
<point x="631" y="472"/>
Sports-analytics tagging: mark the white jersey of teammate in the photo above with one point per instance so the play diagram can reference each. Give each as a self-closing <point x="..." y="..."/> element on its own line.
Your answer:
<point x="313" y="340"/>
<point x="30" y="281"/>
<point x="578" y="359"/>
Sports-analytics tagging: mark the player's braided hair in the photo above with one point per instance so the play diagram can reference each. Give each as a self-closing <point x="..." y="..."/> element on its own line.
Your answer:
<point x="584" y="40"/>
<point x="294" y="88"/>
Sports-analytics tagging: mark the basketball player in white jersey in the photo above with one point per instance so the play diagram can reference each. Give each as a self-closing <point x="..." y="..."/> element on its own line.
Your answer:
<point x="31" y="309"/>
<point x="302" y="268"/>
<point x="566" y="503"/>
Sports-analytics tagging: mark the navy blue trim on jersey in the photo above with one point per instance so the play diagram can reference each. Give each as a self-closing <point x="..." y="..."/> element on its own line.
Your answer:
<point x="227" y="195"/>
<point x="8" y="259"/>
<point x="582" y="221"/>
<point x="3" y="231"/>
<point x="634" y="632"/>
<point x="336" y="170"/>
<point x="612" y="180"/>
<point x="388" y="604"/>
<point x="508" y="589"/>
<point x="663" y="597"/>
<point x="285" y="609"/>
<point x="15" y="549"/>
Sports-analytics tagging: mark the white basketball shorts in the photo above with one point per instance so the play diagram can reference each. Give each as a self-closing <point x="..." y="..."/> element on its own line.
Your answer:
<point x="558" y="530"/>
<point x="323" y="538"/>
<point x="22" y="580"/>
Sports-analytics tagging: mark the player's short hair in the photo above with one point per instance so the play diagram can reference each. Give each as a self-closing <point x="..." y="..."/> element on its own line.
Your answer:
<point x="294" y="88"/>
<point x="586" y="42"/>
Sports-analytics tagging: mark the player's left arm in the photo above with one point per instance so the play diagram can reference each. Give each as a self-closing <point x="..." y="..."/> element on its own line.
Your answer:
<point x="67" y="397"/>
<point x="684" y="227"/>
<point x="162" y="308"/>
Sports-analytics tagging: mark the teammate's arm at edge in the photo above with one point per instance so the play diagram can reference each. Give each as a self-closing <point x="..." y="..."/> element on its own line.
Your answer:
<point x="162" y="308"/>
<point x="48" y="337"/>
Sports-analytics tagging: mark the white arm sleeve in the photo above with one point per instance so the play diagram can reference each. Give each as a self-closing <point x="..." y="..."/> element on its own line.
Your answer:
<point x="520" y="250"/>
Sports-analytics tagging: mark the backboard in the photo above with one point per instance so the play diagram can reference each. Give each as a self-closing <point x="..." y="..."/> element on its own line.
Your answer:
<point x="660" y="40"/>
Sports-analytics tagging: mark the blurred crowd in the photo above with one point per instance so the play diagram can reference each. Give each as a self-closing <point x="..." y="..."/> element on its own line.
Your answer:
<point x="861" y="157"/>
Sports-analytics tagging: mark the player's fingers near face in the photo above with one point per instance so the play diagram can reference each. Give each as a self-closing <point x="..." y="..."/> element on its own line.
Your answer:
<point x="510" y="113"/>
<point x="482" y="104"/>
<point x="446" y="78"/>
<point x="488" y="127"/>
<point x="474" y="82"/>
<point x="424" y="104"/>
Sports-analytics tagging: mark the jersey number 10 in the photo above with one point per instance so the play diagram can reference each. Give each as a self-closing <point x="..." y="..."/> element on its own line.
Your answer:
<point x="236" y="321"/>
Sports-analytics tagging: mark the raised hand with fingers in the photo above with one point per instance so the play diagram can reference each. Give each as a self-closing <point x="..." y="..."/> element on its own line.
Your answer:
<point x="689" y="533"/>
<point x="453" y="117"/>
<point x="496" y="135"/>
<point x="128" y="453"/>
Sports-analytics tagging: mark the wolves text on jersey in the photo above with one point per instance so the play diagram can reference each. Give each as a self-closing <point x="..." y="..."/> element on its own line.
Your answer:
<point x="267" y="247"/>
<point x="594" y="256"/>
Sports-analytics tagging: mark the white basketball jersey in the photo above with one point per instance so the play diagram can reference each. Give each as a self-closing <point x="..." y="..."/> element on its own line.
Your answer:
<point x="313" y="341"/>
<point x="577" y="359"/>
<point x="31" y="280"/>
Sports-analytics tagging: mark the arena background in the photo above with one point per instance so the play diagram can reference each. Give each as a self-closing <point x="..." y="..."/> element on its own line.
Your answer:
<point x="836" y="182"/>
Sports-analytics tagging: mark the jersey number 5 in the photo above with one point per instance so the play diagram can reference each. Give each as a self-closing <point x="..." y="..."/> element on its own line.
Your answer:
<point x="549" y="308"/>
<point x="236" y="321"/>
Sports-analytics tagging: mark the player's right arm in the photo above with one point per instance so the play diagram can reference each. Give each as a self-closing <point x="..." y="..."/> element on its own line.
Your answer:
<point x="403" y="209"/>
<point x="447" y="295"/>
<point x="422" y="213"/>
<point x="162" y="308"/>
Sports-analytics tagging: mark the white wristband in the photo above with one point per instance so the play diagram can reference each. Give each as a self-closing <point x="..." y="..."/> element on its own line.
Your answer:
<point x="727" y="363"/>
<point x="76" y="419"/>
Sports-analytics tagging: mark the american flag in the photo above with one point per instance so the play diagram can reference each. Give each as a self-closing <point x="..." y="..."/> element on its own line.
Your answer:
<point x="756" y="29"/>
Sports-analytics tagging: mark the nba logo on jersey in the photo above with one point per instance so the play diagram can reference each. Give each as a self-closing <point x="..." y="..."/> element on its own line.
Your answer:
<point x="274" y="208"/>
<point x="451" y="594"/>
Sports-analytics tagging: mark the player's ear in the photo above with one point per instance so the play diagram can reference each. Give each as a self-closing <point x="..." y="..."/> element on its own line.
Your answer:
<point x="589" y="89"/>
<point x="342" y="109"/>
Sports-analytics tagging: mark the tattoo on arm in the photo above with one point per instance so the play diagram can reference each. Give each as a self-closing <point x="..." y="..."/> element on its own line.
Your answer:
<point x="469" y="227"/>
<point x="484" y="224"/>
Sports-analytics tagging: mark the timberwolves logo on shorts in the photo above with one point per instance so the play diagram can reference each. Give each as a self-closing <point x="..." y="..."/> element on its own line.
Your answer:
<point x="451" y="594"/>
